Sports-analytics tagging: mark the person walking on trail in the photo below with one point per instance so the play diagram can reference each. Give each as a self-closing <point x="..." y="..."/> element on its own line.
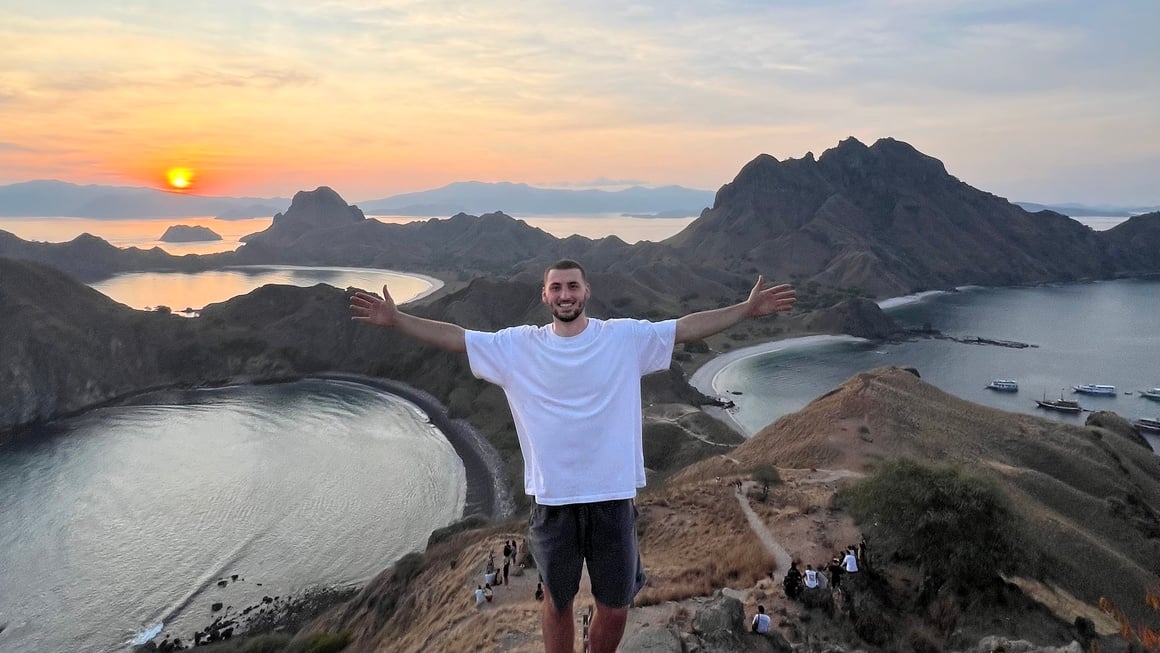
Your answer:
<point x="574" y="390"/>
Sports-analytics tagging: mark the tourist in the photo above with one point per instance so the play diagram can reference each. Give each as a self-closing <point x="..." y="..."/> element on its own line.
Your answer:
<point x="573" y="387"/>
<point x="811" y="577"/>
<point x="850" y="562"/>
<point x="761" y="621"/>
<point x="792" y="583"/>
<point x="487" y="593"/>
<point x="479" y="597"/>
<point x="835" y="569"/>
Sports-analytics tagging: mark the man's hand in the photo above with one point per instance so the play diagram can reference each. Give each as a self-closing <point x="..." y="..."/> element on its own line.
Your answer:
<point x="371" y="309"/>
<point x="384" y="313"/>
<point x="767" y="301"/>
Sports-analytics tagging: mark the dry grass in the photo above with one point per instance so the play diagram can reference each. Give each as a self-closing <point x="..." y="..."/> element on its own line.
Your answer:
<point x="695" y="539"/>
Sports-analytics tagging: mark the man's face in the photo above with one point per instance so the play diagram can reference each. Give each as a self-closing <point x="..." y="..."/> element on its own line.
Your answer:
<point x="565" y="294"/>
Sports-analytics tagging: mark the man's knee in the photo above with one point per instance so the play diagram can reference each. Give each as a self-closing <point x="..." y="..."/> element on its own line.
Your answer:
<point x="555" y="610"/>
<point x="620" y="614"/>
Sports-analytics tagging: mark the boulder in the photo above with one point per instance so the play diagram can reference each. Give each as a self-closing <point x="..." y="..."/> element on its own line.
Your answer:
<point x="654" y="639"/>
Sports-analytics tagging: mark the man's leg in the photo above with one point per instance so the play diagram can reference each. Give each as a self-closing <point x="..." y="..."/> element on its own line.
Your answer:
<point x="615" y="570"/>
<point x="607" y="629"/>
<point x="559" y="631"/>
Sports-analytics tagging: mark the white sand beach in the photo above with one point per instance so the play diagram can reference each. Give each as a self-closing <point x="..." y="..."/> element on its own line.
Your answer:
<point x="705" y="377"/>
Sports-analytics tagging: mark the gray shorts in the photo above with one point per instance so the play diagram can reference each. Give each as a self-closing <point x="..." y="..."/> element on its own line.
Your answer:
<point x="603" y="534"/>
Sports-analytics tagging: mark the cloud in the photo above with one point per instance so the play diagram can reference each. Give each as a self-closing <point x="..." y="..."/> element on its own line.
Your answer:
<point x="672" y="92"/>
<point x="14" y="147"/>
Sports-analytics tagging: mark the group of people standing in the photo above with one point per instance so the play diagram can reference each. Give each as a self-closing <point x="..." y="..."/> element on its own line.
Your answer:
<point x="827" y="575"/>
<point x="494" y="575"/>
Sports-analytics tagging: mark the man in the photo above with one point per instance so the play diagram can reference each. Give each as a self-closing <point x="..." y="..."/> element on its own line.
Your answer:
<point x="811" y="579"/>
<point x="574" y="391"/>
<point x="850" y="562"/>
<point x="479" y="595"/>
<point x="761" y="621"/>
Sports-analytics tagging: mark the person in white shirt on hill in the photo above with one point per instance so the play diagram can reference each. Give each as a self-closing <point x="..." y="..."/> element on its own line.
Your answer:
<point x="574" y="390"/>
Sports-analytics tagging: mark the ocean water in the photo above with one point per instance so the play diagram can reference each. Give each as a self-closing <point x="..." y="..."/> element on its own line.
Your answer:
<point x="1104" y="332"/>
<point x="119" y="523"/>
<point x="195" y="290"/>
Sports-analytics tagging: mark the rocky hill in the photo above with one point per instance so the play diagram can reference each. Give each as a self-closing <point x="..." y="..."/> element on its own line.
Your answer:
<point x="889" y="220"/>
<point x="1081" y="497"/>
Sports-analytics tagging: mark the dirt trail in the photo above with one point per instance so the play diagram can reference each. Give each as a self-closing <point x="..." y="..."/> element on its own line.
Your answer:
<point x="775" y="549"/>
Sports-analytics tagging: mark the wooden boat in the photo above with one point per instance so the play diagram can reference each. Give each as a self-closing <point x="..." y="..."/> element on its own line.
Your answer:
<point x="1147" y="424"/>
<point x="1061" y="404"/>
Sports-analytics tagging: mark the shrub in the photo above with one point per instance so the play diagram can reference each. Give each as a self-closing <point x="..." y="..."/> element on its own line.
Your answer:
<point x="267" y="643"/>
<point x="957" y="525"/>
<point x="766" y="474"/>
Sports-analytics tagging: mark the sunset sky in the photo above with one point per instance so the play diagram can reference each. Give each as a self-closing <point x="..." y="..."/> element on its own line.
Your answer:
<point x="1037" y="101"/>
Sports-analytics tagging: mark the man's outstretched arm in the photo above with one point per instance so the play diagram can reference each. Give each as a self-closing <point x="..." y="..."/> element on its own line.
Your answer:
<point x="762" y="301"/>
<point x="383" y="312"/>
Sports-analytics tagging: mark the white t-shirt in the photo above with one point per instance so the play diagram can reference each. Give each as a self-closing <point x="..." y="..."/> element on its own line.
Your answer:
<point x="811" y="578"/>
<point x="761" y="623"/>
<point x="479" y="596"/>
<point x="850" y="563"/>
<point x="576" y="402"/>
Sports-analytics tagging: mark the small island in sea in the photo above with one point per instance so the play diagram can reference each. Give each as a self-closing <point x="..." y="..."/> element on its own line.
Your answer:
<point x="181" y="233"/>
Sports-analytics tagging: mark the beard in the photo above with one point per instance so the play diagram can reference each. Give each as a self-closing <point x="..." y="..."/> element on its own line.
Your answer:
<point x="568" y="314"/>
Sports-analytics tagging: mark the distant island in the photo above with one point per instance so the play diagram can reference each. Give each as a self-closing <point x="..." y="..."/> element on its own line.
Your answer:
<point x="51" y="198"/>
<point x="478" y="197"/>
<point x="674" y="213"/>
<point x="1085" y="211"/>
<point x="182" y="233"/>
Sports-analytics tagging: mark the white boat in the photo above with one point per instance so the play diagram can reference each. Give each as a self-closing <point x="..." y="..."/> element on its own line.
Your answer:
<point x="1003" y="385"/>
<point x="1095" y="389"/>
<point x="1147" y="424"/>
<point x="1153" y="394"/>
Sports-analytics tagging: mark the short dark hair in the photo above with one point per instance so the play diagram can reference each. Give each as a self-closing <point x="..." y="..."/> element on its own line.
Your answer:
<point x="566" y="264"/>
<point x="761" y="609"/>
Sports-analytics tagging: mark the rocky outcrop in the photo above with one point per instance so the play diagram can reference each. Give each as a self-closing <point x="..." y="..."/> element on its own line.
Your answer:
<point x="856" y="317"/>
<point x="181" y="233"/>
<point x="311" y="212"/>
<point x="889" y="220"/>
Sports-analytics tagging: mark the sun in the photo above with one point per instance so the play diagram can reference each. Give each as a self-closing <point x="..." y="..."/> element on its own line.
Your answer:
<point x="179" y="178"/>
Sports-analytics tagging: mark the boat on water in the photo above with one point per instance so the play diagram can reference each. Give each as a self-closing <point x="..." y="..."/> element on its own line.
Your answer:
<point x="1061" y="404"/>
<point x="1095" y="389"/>
<point x="1003" y="385"/>
<point x="1147" y="424"/>
<point x="1153" y="394"/>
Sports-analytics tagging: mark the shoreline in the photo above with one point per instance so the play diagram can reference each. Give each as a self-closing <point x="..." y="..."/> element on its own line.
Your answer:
<point x="486" y="489"/>
<point x="704" y="378"/>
